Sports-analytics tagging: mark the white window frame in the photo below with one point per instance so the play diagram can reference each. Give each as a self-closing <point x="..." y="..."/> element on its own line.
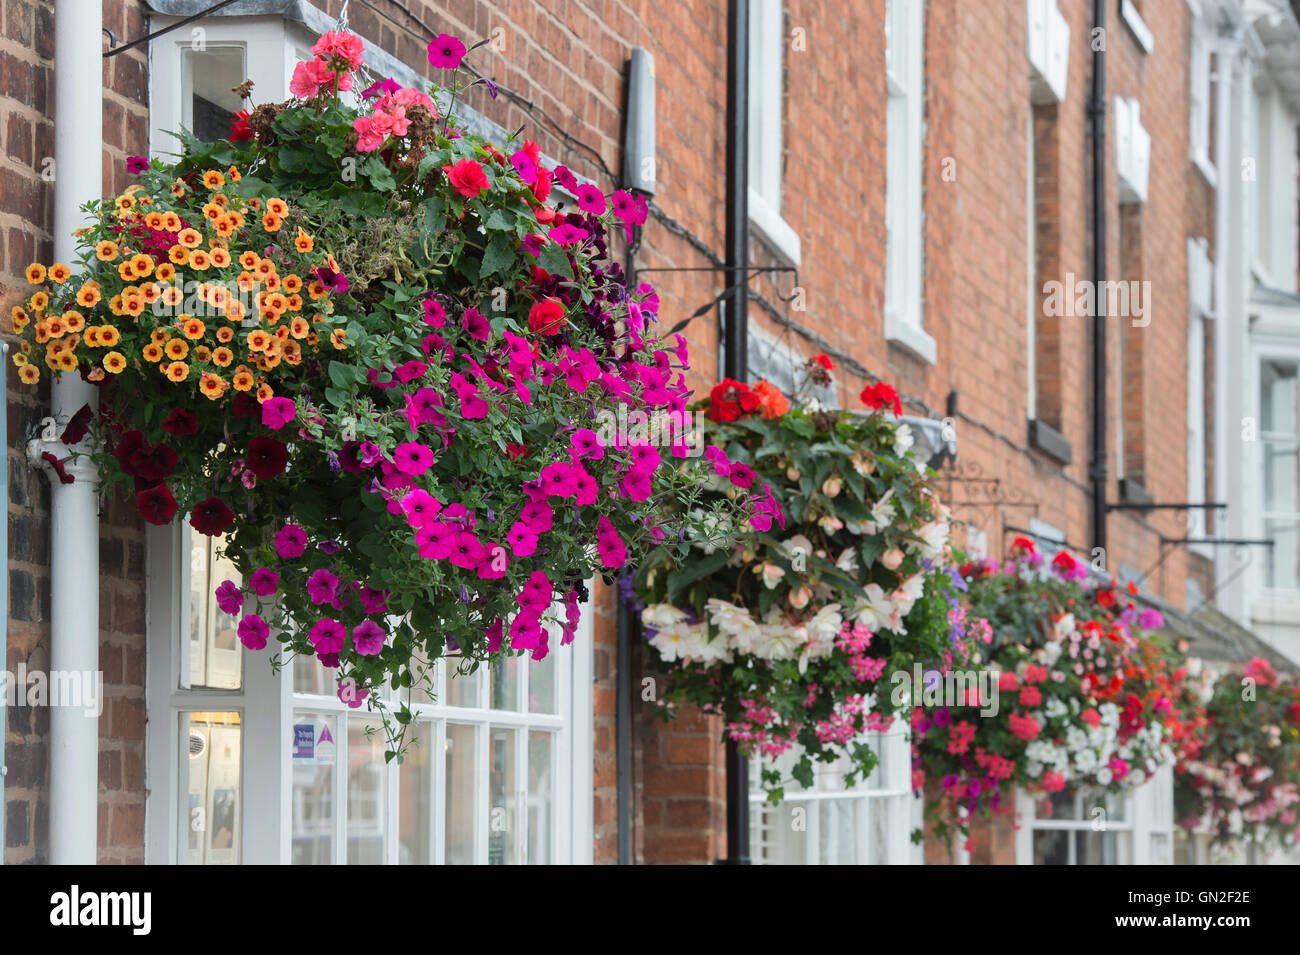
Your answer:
<point x="1253" y="461"/>
<point x="1128" y="12"/>
<point x="766" y="130"/>
<point x="268" y="710"/>
<point x="888" y="786"/>
<point x="1200" y="279"/>
<point x="1148" y="815"/>
<point x="1200" y="132"/>
<point x="904" y="300"/>
<point x="1031" y="252"/>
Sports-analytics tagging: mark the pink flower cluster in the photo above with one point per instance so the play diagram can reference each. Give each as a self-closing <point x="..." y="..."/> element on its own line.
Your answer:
<point x="337" y="55"/>
<point x="388" y="118"/>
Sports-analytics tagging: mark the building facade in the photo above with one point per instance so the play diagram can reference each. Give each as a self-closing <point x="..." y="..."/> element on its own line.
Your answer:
<point x="921" y="196"/>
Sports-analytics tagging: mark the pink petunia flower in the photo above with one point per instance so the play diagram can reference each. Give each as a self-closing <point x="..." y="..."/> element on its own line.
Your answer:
<point x="368" y="638"/>
<point x="290" y="541"/>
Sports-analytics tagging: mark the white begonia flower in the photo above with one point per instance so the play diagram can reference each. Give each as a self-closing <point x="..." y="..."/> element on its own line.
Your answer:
<point x="678" y="641"/>
<point x="934" y="538"/>
<point x="1054" y="708"/>
<point x="659" y="616"/>
<point x="856" y="528"/>
<point x="874" y="611"/>
<point x="847" y="561"/>
<point x="1104" y="776"/>
<point x="778" y="642"/>
<point x="799" y="598"/>
<point x="832" y="486"/>
<point x="903" y="439"/>
<point x="826" y="623"/>
<point x="772" y="575"/>
<point x="883" y="513"/>
<point x="734" y="622"/>
<point x="862" y="464"/>
<point x="906" y="596"/>
<point x="1063" y="627"/>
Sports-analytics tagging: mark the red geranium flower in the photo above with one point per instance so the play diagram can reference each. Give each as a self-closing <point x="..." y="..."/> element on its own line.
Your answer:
<point x="267" y="457"/>
<point x="181" y="422"/>
<point x="881" y="395"/>
<point x="825" y="362"/>
<point x="239" y="128"/>
<point x="156" y="504"/>
<point x="729" y="399"/>
<point x="467" y="178"/>
<point x="546" y="316"/>
<point x="211" y="517"/>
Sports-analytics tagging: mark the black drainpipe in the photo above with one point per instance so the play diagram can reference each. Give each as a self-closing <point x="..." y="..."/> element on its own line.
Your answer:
<point x="1097" y="470"/>
<point x="736" y="337"/>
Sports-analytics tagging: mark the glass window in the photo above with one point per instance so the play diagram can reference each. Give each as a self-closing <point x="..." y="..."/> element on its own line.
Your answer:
<point x="215" y="654"/>
<point x="1279" y="427"/>
<point x="1081" y="829"/>
<point x="211" y="787"/>
<point x="314" y="755"/>
<point x="208" y="78"/>
<point x="832" y="824"/>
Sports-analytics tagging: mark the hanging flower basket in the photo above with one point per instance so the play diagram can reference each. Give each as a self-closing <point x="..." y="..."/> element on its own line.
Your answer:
<point x="1082" y="696"/>
<point x="1243" y="783"/>
<point x="793" y="633"/>
<point x="377" y="354"/>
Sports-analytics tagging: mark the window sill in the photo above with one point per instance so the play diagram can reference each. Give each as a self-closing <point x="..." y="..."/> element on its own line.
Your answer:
<point x="774" y="230"/>
<point x="1141" y="32"/>
<point x="1043" y="437"/>
<point x="1201" y="161"/>
<point x="910" y="337"/>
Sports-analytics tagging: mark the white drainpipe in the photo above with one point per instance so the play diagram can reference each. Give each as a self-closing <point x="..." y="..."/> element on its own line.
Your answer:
<point x="74" y="516"/>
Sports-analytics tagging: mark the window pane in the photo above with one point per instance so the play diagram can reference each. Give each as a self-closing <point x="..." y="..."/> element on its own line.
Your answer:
<point x="541" y="684"/>
<point x="780" y="833"/>
<point x="212" y="781"/>
<point x="1284" y="556"/>
<point x="503" y="825"/>
<point x="1052" y="847"/>
<point x="310" y="677"/>
<point x="505" y="684"/>
<point x="415" y="798"/>
<point x="837" y="837"/>
<point x="1279" y="397"/>
<point x="460" y="772"/>
<point x="1161" y="852"/>
<point x="462" y="688"/>
<point x="367" y="792"/>
<point x="1101" y="848"/>
<point x="313" y="755"/>
<point x="216" y="656"/>
<point x="207" y="80"/>
<point x="883" y="814"/>
<point x="1281" y="477"/>
<point x="541" y="797"/>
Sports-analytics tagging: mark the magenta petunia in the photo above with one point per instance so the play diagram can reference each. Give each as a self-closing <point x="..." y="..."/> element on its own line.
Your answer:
<point x="446" y="52"/>
<point x="434" y="314"/>
<point x="465" y="550"/>
<point x="327" y="635"/>
<point x="322" y="586"/>
<point x="253" y="632"/>
<point x="591" y="199"/>
<point x="229" y="597"/>
<point x="613" y="552"/>
<point x="522" y="539"/>
<point x="264" y="582"/>
<point x="277" y="412"/>
<point x="557" y="480"/>
<point x="537" y="516"/>
<point x="412" y="458"/>
<point x="420" y="507"/>
<point x="587" y="444"/>
<point x="290" y="541"/>
<point x="368" y="638"/>
<point x="476" y="324"/>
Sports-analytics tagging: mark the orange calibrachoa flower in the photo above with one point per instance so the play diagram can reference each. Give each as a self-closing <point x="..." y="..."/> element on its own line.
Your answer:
<point x="177" y="371"/>
<point x="339" y="338"/>
<point x="243" y="381"/>
<point x="225" y="334"/>
<point x="38" y="301"/>
<point x="258" y="340"/>
<point x="176" y="348"/>
<point x="298" y="327"/>
<point x="91" y="336"/>
<point x="212" y="386"/>
<point x="220" y="257"/>
<point x="88" y="295"/>
<point x="264" y="392"/>
<point x="189" y="238"/>
<point x="272" y="222"/>
<point x="115" y="362"/>
<point x="19" y="318"/>
<point x="152" y="352"/>
<point x="303" y="243"/>
<point x="106" y="251"/>
<point x="202" y="353"/>
<point x="142" y="265"/>
<point x="171" y="222"/>
<point x="29" y="374"/>
<point x="199" y="260"/>
<point x="234" y="175"/>
<point x="59" y="273"/>
<point x="109" y="335"/>
<point x="193" y="329"/>
<point x="165" y="272"/>
<point x="222" y="356"/>
<point x="277" y="207"/>
<point x="213" y="179"/>
<point x="178" y="254"/>
<point x="36" y="273"/>
<point x="74" y="321"/>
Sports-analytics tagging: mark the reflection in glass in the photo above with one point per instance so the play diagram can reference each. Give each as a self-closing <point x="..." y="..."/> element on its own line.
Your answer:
<point x="313" y="754"/>
<point x="207" y="80"/>
<point x="503" y="821"/>
<point x="367" y="792"/>
<point x="459" y="794"/>
<point x="505" y="684"/>
<point x="216" y="656"/>
<point x="415" y="798"/>
<point x="211" y="779"/>
<point x="541" y="798"/>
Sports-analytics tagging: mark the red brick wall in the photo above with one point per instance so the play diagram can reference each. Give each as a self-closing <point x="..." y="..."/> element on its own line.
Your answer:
<point x="27" y="101"/>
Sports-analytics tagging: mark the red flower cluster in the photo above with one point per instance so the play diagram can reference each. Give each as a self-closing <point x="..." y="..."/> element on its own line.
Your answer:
<point x="881" y="395"/>
<point x="730" y="400"/>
